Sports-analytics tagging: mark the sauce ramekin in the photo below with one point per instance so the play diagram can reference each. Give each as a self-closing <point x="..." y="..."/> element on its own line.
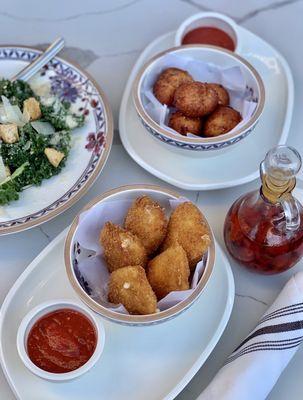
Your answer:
<point x="41" y="310"/>
<point x="209" y="19"/>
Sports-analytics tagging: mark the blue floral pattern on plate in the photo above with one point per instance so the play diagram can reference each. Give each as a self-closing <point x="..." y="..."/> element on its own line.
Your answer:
<point x="74" y="86"/>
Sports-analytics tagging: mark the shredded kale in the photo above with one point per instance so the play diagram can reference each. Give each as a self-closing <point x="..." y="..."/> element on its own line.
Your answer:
<point x="56" y="114"/>
<point x="9" y="191"/>
<point x="10" y="187"/>
<point x="30" y="148"/>
<point x="26" y="158"/>
<point x="16" y="92"/>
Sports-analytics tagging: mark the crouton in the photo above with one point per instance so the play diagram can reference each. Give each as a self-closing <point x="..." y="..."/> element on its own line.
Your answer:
<point x="8" y="171"/>
<point x="54" y="156"/>
<point x="31" y="109"/>
<point x="9" y="133"/>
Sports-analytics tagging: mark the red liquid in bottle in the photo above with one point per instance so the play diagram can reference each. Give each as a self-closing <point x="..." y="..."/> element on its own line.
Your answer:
<point x="256" y="235"/>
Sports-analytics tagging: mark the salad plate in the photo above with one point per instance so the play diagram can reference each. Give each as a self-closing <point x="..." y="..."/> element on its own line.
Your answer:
<point x="163" y="357"/>
<point x="237" y="165"/>
<point x="89" y="146"/>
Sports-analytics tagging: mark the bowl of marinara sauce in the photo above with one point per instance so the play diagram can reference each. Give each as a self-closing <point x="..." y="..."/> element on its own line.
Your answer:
<point x="209" y="28"/>
<point x="60" y="340"/>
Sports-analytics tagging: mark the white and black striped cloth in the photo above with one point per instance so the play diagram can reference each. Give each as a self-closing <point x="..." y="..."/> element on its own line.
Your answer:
<point x="252" y="370"/>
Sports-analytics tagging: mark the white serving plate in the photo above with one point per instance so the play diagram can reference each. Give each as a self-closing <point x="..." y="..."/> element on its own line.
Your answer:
<point x="240" y="163"/>
<point x="149" y="363"/>
<point x="38" y="204"/>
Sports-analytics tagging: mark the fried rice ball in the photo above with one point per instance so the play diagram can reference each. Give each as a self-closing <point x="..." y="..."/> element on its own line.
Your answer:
<point x="121" y="248"/>
<point x="169" y="271"/>
<point x="222" y="93"/>
<point x="188" y="228"/>
<point x="167" y="83"/>
<point x="130" y="287"/>
<point x="195" y="99"/>
<point x="146" y="219"/>
<point x="184" y="125"/>
<point x="221" y="121"/>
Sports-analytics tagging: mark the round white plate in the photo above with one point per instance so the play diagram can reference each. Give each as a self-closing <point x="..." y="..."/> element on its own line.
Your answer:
<point x="240" y="163"/>
<point x="149" y="363"/>
<point x="90" y="144"/>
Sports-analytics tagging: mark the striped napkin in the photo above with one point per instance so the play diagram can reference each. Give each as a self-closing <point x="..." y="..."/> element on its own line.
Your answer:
<point x="252" y="370"/>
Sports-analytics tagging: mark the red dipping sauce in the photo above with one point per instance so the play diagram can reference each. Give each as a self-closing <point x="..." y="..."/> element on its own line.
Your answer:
<point x="61" y="341"/>
<point x="209" y="35"/>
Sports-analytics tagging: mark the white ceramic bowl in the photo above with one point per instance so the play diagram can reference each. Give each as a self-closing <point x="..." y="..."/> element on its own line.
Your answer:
<point x="209" y="19"/>
<point x="43" y="309"/>
<point x="71" y="245"/>
<point x="216" y="56"/>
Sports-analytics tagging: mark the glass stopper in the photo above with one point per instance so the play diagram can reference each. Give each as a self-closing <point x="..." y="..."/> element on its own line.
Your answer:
<point x="282" y="162"/>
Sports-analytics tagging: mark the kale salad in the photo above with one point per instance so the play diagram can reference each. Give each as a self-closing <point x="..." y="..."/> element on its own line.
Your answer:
<point x="35" y="137"/>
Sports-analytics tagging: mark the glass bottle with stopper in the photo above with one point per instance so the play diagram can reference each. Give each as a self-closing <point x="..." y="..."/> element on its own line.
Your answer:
<point x="264" y="229"/>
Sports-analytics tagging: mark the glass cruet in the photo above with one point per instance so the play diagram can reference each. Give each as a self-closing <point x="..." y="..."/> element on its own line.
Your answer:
<point x="263" y="229"/>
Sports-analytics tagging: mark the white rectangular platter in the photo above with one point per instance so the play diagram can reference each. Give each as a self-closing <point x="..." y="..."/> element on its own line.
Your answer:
<point x="147" y="363"/>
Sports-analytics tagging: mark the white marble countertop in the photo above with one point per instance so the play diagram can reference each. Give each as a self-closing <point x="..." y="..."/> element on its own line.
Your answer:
<point x="106" y="38"/>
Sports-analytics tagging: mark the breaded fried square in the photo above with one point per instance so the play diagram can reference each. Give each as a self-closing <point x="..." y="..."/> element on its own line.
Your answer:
<point x="130" y="287"/>
<point x="169" y="271"/>
<point x="121" y="248"/>
<point x="187" y="228"/>
<point x="146" y="219"/>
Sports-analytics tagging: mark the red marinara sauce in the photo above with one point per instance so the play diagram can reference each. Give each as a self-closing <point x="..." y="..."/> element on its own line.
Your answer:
<point x="209" y="35"/>
<point x="61" y="341"/>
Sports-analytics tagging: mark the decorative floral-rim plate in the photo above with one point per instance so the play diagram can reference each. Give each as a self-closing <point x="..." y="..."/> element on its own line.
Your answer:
<point x="90" y="144"/>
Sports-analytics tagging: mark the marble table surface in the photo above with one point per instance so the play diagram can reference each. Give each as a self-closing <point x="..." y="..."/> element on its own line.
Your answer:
<point x="106" y="38"/>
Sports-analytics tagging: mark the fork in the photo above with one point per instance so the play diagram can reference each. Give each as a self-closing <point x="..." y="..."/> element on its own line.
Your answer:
<point x="26" y="73"/>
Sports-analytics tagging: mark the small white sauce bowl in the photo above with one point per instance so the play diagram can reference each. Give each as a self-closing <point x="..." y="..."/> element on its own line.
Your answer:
<point x="209" y="19"/>
<point x="43" y="309"/>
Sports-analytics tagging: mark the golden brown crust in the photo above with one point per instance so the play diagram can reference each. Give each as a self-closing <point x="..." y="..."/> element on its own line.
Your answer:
<point x="146" y="219"/>
<point x="169" y="271"/>
<point x="184" y="125"/>
<point x="129" y="286"/>
<point x="187" y="228"/>
<point x="195" y="99"/>
<point x="222" y="93"/>
<point x="221" y="121"/>
<point x="167" y="82"/>
<point x="121" y="248"/>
